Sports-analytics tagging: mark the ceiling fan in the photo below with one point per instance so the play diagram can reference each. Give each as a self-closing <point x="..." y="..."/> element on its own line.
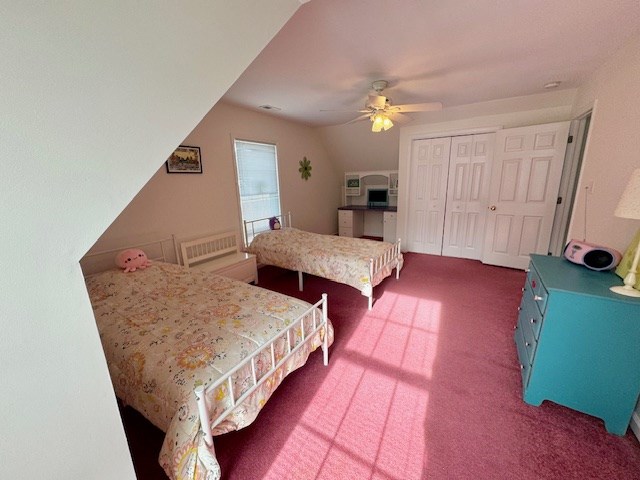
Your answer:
<point x="381" y="112"/>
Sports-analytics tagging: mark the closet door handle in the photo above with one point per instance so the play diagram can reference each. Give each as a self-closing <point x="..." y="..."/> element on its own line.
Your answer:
<point x="492" y="208"/>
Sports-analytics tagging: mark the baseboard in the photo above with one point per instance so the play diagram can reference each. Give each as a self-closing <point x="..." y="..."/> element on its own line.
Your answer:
<point x="635" y="423"/>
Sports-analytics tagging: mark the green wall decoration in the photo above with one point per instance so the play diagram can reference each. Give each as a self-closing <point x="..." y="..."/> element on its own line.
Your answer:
<point x="305" y="168"/>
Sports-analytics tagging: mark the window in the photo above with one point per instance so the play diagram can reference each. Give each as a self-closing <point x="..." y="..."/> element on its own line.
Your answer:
<point x="257" y="169"/>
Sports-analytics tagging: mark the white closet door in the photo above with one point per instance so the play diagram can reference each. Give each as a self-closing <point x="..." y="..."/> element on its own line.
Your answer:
<point x="427" y="194"/>
<point x="524" y="186"/>
<point x="467" y="195"/>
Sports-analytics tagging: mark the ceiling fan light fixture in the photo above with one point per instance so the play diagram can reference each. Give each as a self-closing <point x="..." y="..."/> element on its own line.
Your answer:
<point x="380" y="121"/>
<point x="377" y="120"/>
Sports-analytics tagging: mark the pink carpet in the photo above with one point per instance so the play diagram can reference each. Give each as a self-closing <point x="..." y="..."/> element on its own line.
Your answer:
<point x="426" y="385"/>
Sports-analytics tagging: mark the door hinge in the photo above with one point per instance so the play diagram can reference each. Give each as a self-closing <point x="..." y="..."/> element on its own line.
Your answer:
<point x="570" y="140"/>
<point x="559" y="201"/>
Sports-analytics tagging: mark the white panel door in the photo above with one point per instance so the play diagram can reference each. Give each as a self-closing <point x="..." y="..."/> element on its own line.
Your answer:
<point x="427" y="194"/>
<point x="526" y="175"/>
<point x="467" y="195"/>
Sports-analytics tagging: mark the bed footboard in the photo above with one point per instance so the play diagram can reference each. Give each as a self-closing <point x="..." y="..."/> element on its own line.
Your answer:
<point x="207" y="424"/>
<point x="391" y="256"/>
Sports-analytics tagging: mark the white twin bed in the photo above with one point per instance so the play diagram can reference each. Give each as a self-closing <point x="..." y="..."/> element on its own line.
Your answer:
<point x="196" y="353"/>
<point x="357" y="262"/>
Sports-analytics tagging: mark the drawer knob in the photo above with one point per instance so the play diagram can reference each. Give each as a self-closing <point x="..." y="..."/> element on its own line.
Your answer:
<point x="515" y="327"/>
<point x="533" y="320"/>
<point x="521" y="367"/>
<point x="523" y="289"/>
<point x="537" y="298"/>
<point x="527" y="344"/>
<point x="519" y="308"/>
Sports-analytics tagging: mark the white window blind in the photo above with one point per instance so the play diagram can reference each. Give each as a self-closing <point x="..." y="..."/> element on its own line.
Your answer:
<point x="257" y="167"/>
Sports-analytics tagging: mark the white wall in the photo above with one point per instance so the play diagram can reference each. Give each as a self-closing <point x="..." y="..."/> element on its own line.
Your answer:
<point x="94" y="97"/>
<point x="613" y="149"/>
<point x="355" y="148"/>
<point x="194" y="204"/>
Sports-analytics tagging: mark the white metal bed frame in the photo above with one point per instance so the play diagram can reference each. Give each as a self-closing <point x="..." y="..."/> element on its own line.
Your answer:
<point x="201" y="392"/>
<point x="160" y="254"/>
<point x="207" y="424"/>
<point x="375" y="264"/>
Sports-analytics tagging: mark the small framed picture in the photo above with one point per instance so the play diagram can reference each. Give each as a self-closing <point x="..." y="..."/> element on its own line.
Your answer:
<point x="353" y="183"/>
<point x="185" y="159"/>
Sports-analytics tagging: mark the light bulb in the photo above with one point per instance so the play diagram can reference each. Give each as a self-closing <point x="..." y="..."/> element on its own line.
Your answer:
<point x="378" y="122"/>
<point x="387" y="123"/>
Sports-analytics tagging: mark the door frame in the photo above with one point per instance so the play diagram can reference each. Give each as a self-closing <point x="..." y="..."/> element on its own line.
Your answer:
<point x="571" y="171"/>
<point x="404" y="166"/>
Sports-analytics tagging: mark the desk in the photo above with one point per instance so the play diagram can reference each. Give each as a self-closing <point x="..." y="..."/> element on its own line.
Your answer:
<point x="358" y="221"/>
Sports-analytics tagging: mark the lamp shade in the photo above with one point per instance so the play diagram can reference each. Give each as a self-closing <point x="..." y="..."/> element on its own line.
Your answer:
<point x="629" y="204"/>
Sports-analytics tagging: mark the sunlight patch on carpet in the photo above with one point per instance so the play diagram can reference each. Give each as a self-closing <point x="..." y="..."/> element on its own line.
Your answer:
<point x="370" y="413"/>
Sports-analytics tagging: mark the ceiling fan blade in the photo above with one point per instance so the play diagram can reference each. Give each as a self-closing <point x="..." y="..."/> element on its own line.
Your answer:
<point x="417" y="107"/>
<point x="357" y="119"/>
<point x="399" y="117"/>
<point x="345" y="111"/>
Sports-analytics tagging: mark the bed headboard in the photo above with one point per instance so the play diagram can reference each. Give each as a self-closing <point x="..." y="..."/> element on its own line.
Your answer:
<point x="163" y="250"/>
<point x="253" y="227"/>
<point x="207" y="248"/>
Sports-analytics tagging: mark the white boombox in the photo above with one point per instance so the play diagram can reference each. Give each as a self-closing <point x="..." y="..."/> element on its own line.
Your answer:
<point x="591" y="256"/>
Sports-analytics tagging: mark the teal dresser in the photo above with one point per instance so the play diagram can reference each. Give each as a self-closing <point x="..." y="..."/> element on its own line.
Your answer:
<point x="578" y="343"/>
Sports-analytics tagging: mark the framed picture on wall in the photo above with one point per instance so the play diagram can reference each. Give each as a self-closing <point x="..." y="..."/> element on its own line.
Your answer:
<point x="185" y="159"/>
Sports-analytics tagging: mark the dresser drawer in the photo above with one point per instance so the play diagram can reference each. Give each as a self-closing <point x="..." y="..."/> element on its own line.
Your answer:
<point x="537" y="288"/>
<point x="528" y="335"/>
<point x="345" y="231"/>
<point x="530" y="313"/>
<point x="523" y="357"/>
<point x="345" y="218"/>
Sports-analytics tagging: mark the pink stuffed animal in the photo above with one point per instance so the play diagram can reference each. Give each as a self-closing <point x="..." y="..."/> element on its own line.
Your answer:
<point x="132" y="259"/>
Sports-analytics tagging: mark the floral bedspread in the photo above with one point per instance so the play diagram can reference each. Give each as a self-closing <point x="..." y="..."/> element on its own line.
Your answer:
<point x="341" y="259"/>
<point x="166" y="330"/>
